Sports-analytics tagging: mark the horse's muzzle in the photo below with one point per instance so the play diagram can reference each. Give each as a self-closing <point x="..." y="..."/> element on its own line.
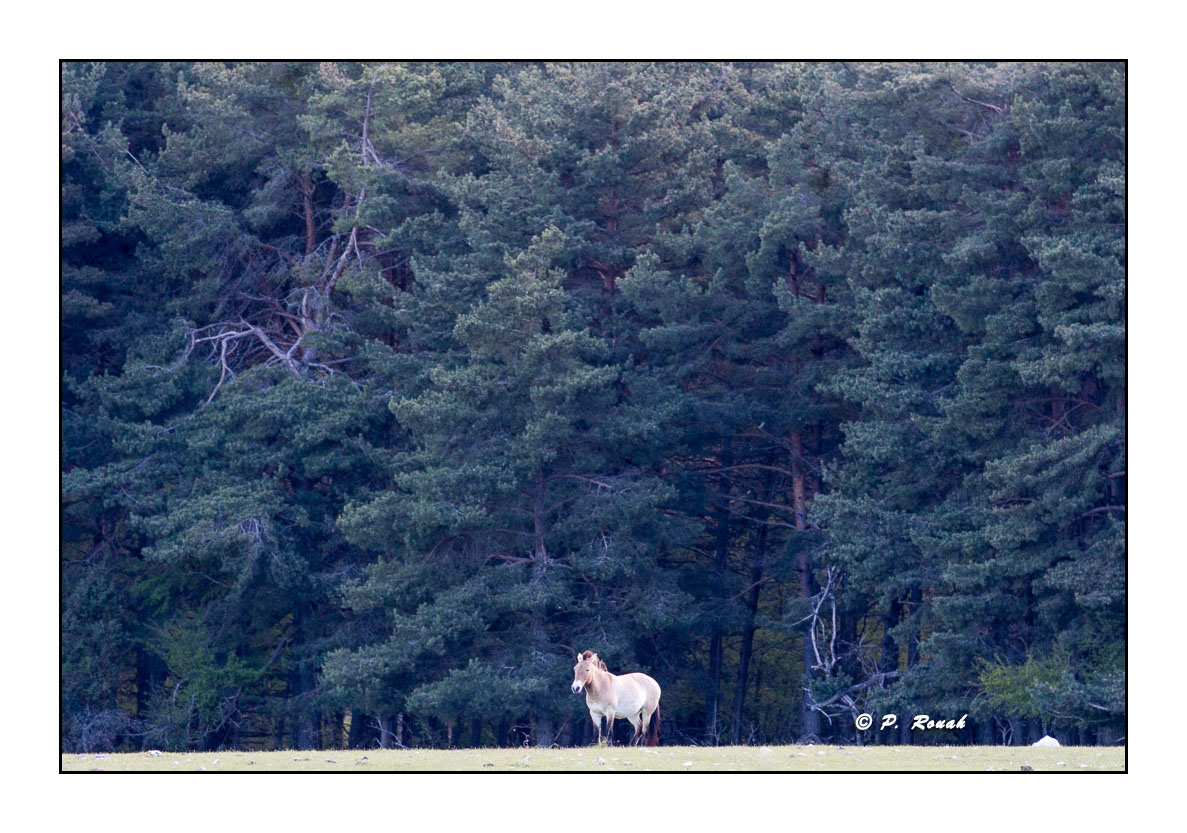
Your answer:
<point x="576" y="687"/>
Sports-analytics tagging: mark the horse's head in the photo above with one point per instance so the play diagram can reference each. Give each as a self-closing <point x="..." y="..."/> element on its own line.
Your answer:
<point x="587" y="663"/>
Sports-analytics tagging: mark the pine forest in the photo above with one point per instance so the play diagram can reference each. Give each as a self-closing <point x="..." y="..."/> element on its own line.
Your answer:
<point x="387" y="388"/>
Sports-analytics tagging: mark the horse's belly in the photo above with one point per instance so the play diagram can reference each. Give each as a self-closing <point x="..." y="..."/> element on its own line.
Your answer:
<point x="632" y="698"/>
<point x="631" y="704"/>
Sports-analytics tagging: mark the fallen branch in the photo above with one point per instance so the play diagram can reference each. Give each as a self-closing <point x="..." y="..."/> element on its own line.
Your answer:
<point x="876" y="679"/>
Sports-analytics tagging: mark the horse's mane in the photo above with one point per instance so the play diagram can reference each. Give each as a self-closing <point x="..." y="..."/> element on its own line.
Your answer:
<point x="601" y="662"/>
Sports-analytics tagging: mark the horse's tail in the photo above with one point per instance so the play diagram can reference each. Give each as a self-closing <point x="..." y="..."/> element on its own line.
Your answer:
<point x="653" y="728"/>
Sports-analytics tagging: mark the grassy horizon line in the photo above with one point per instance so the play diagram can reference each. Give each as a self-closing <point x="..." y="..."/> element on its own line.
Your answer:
<point x="792" y="758"/>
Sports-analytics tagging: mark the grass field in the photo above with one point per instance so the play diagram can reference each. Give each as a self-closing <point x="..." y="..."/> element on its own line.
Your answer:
<point x="624" y="759"/>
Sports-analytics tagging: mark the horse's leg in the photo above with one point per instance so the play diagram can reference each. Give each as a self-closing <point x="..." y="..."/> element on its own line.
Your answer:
<point x="644" y="723"/>
<point x="638" y="730"/>
<point x="610" y="728"/>
<point x="597" y="722"/>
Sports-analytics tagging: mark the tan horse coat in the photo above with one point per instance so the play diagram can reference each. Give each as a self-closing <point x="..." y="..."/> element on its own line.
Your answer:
<point x="610" y="696"/>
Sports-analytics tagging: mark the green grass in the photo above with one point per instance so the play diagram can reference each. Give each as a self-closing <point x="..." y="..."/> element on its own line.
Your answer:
<point x="624" y="759"/>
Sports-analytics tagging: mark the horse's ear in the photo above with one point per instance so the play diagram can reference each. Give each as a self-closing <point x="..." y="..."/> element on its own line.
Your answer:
<point x="579" y="657"/>
<point x="587" y="655"/>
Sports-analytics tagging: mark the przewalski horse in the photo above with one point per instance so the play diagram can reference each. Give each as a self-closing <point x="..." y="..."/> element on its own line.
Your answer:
<point x="633" y="696"/>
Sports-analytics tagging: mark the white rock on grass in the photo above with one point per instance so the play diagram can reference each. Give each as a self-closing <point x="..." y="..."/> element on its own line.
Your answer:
<point x="1046" y="740"/>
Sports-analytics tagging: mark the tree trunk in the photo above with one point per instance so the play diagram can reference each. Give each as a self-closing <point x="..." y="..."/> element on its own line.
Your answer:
<point x="150" y="672"/>
<point x="336" y="730"/>
<point x="846" y="636"/>
<point x="544" y="734"/>
<point x="306" y="728"/>
<point x="890" y="653"/>
<point x="310" y="226"/>
<point x="810" y="723"/>
<point x="1017" y="732"/>
<point x="748" y="632"/>
<point x="721" y="560"/>
<point x="810" y="718"/>
<point x="714" y="683"/>
<point x="916" y="599"/>
<point x="354" y="734"/>
<point x="539" y="550"/>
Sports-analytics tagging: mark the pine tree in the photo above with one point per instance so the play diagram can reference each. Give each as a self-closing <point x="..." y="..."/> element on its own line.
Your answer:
<point x="521" y="523"/>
